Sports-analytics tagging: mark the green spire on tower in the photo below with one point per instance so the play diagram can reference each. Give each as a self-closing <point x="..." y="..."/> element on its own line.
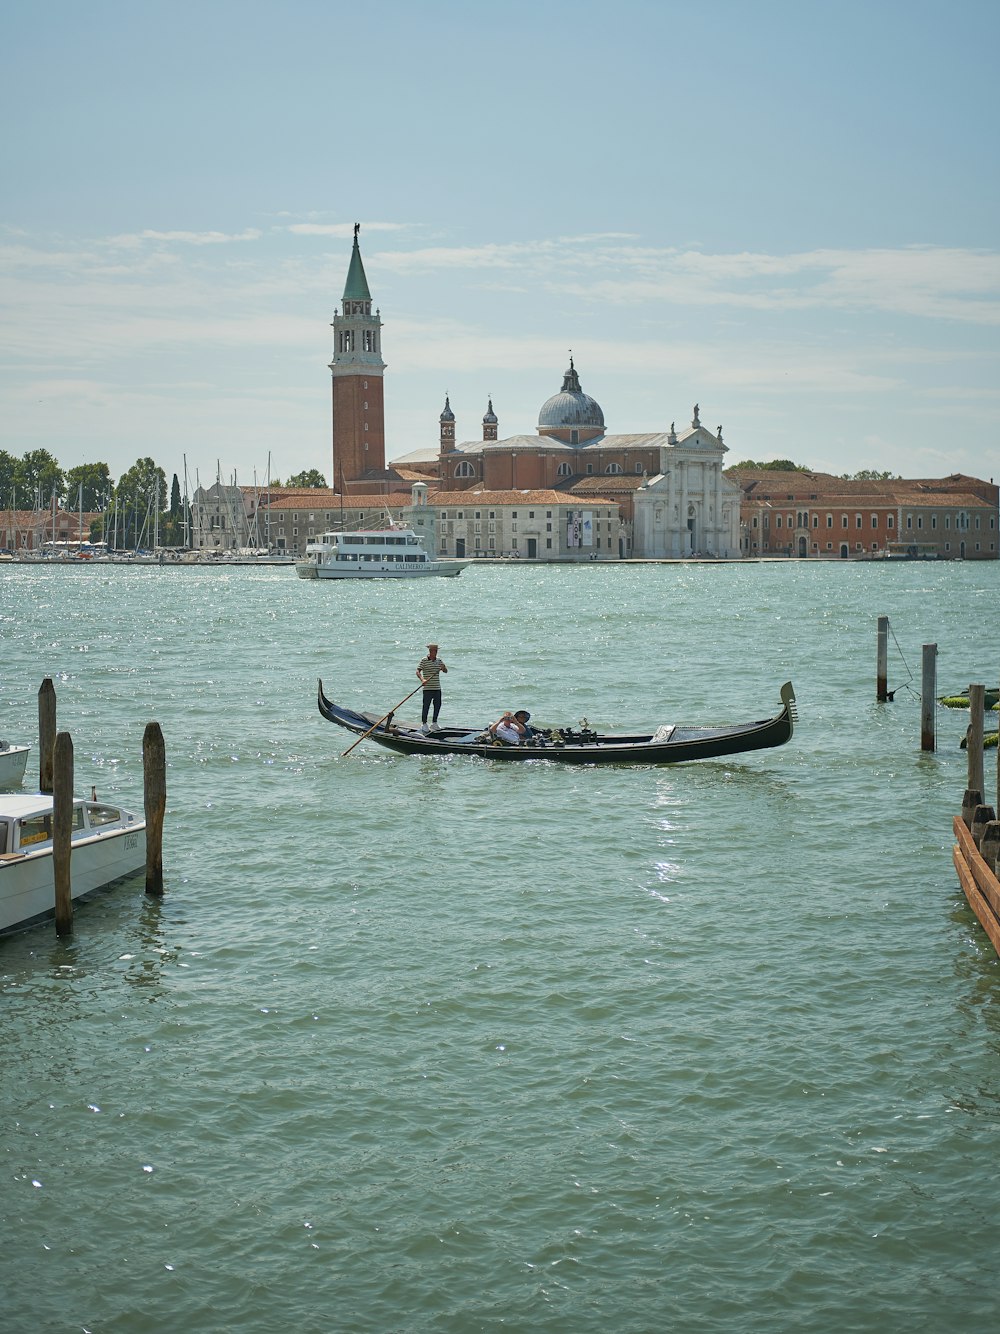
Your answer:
<point x="356" y="287"/>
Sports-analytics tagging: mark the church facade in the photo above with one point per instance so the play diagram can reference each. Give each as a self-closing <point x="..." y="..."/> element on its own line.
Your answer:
<point x="671" y="495"/>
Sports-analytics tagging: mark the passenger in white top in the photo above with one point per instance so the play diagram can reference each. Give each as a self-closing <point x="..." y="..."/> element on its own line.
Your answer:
<point x="511" y="728"/>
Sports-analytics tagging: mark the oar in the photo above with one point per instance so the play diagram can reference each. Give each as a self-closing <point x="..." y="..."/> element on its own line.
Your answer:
<point x="381" y="720"/>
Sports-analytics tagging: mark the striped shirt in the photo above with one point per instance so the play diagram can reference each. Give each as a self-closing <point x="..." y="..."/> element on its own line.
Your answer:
<point x="430" y="670"/>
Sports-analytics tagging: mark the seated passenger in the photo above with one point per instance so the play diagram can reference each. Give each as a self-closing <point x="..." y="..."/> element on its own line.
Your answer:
<point x="512" y="728"/>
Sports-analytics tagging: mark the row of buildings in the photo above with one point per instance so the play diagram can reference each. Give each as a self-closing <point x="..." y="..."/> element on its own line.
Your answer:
<point x="572" y="490"/>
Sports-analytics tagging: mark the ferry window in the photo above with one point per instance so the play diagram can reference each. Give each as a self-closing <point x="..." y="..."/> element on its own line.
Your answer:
<point x="531" y="514"/>
<point x="513" y="514"/>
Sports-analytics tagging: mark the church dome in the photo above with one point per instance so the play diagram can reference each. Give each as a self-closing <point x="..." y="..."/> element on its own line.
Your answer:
<point x="571" y="406"/>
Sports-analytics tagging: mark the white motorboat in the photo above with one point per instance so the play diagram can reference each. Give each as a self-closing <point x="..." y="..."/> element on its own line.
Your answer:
<point x="108" y="842"/>
<point x="13" y="760"/>
<point x="391" y="553"/>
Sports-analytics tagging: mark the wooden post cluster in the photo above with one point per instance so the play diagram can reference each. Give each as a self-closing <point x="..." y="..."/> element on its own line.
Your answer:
<point x="55" y="776"/>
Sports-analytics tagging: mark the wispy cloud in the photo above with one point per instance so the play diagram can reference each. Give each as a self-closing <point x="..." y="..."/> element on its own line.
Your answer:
<point x="186" y="238"/>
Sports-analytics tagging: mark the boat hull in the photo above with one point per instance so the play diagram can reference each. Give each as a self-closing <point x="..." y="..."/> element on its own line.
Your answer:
<point x="668" y="745"/>
<point x="329" y="572"/>
<point x="27" y="880"/>
<point x="13" y="762"/>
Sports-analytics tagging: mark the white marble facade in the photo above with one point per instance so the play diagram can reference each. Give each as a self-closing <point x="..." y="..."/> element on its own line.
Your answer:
<point x="688" y="508"/>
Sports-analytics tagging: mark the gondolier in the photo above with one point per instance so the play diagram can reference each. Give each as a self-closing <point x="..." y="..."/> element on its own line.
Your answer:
<point x="429" y="671"/>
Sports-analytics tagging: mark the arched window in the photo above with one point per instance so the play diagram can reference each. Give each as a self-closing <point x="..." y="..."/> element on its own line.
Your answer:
<point x="465" y="469"/>
<point x="613" y="469"/>
<point x="564" y="470"/>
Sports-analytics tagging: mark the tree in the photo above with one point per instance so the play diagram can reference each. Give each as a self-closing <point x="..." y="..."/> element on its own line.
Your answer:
<point x="139" y="498"/>
<point x="37" y="473"/>
<point x="870" y="475"/>
<point x="95" y="478"/>
<point x="774" y="465"/>
<point x="310" y="478"/>
<point x="8" y="469"/>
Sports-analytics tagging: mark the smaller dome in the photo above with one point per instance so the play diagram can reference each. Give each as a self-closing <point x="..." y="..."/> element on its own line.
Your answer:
<point x="571" y="406"/>
<point x="491" y="417"/>
<point x="447" y="415"/>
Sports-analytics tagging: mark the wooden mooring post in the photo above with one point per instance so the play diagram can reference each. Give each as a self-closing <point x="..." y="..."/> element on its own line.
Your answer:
<point x="928" y="696"/>
<point x="882" y="663"/>
<point x="62" y="830"/>
<point x="974" y="737"/>
<point x="46" y="733"/>
<point x="154" y="792"/>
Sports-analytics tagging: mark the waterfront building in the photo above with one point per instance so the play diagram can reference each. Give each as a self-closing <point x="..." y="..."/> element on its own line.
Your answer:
<point x="807" y="514"/>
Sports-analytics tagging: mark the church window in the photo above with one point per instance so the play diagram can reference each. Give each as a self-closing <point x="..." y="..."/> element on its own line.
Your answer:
<point x="590" y="467"/>
<point x="465" y="469"/>
<point x="777" y="521"/>
<point x="638" y="468"/>
<point x="564" y="470"/>
<point x="574" y="437"/>
<point x="829" y="521"/>
<point x="613" y="469"/>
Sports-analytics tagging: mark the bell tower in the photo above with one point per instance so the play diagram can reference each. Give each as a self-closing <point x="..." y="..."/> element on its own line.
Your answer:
<point x="357" y="368"/>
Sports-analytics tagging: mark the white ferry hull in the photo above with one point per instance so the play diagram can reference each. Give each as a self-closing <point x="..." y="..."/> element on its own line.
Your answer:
<point x="331" y="572"/>
<point x="27" y="880"/>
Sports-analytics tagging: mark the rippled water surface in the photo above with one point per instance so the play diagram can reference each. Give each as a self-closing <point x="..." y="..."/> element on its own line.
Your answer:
<point x="417" y="1045"/>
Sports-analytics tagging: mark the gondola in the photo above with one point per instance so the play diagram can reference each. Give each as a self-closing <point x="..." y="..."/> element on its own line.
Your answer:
<point x="669" y="744"/>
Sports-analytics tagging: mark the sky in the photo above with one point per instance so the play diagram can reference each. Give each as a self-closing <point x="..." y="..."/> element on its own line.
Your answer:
<point x="787" y="213"/>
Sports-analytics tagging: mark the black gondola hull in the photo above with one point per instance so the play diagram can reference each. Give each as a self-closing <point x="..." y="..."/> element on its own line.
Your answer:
<point x="684" y="743"/>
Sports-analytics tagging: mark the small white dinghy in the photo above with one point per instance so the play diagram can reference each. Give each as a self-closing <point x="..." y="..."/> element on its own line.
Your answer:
<point x="108" y="843"/>
<point x="13" y="761"/>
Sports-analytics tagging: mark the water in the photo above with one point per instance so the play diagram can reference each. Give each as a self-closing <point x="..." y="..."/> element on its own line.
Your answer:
<point x="415" y="1045"/>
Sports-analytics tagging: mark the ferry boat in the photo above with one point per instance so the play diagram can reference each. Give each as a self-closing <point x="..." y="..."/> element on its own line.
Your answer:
<point x="108" y="842"/>
<point x="389" y="553"/>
